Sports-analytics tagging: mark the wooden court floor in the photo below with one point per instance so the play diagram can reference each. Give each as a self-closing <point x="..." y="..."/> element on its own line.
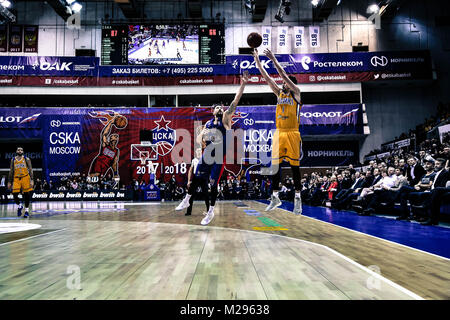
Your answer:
<point x="133" y="251"/>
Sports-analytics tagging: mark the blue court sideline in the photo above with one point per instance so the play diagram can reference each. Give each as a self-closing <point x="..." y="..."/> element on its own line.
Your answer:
<point x="432" y="239"/>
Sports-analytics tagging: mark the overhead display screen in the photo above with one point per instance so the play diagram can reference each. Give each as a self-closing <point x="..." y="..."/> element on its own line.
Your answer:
<point x="158" y="44"/>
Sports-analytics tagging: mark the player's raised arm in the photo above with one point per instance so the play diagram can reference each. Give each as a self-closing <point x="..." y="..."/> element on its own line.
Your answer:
<point x="200" y="136"/>
<point x="282" y="72"/>
<point x="230" y="111"/>
<point x="106" y="131"/>
<point x="272" y="84"/>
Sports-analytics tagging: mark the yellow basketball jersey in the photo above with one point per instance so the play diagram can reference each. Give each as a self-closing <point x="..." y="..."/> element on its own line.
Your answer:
<point x="287" y="112"/>
<point x="20" y="168"/>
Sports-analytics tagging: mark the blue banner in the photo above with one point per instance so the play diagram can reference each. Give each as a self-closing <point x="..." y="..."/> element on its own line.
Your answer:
<point x="49" y="66"/>
<point x="62" y="145"/>
<point x="329" y="153"/>
<point x="309" y="68"/>
<point x="107" y="142"/>
<point x="395" y="61"/>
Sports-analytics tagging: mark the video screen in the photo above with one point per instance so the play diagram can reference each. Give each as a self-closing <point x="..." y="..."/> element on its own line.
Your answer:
<point x="163" y="44"/>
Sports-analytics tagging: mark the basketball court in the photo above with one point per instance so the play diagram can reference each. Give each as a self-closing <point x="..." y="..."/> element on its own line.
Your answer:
<point x="224" y="152"/>
<point x="148" y="251"/>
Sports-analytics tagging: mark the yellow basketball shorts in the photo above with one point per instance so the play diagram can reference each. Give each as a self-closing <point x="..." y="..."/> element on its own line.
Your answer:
<point x="287" y="145"/>
<point x="22" y="184"/>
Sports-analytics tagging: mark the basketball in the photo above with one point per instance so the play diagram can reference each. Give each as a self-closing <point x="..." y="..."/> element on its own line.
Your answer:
<point x="120" y="122"/>
<point x="254" y="39"/>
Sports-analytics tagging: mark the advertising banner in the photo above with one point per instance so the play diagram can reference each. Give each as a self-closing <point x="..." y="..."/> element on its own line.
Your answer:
<point x="388" y="62"/>
<point x="106" y="143"/>
<point x="299" y="37"/>
<point x="49" y="66"/>
<point x="266" y="34"/>
<point x="329" y="153"/>
<point x="314" y="36"/>
<point x="282" y="39"/>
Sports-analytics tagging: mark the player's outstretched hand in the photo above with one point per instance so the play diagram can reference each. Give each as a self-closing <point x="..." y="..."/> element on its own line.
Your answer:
<point x="255" y="53"/>
<point x="269" y="54"/>
<point x="244" y="77"/>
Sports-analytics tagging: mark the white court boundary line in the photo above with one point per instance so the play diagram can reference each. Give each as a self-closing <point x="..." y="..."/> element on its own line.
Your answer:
<point x="372" y="273"/>
<point x="38" y="235"/>
<point x="369" y="235"/>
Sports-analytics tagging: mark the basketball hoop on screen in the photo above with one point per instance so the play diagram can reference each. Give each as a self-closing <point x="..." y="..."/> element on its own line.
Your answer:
<point x="144" y="156"/>
<point x="146" y="161"/>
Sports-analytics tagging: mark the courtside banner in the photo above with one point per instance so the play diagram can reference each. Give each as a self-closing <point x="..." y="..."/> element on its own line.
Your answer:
<point x="113" y="195"/>
<point x="329" y="153"/>
<point x="61" y="145"/>
<point x="393" y="61"/>
<point x="49" y="66"/>
<point x="107" y="142"/>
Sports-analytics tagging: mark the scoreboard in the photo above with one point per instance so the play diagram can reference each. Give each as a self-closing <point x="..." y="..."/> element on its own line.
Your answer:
<point x="116" y="40"/>
<point x="114" y="45"/>
<point x="212" y="44"/>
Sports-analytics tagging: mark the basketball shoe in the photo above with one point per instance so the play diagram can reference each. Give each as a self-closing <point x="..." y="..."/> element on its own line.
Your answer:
<point x="209" y="216"/>
<point x="298" y="205"/>
<point x="184" y="203"/>
<point x="274" y="203"/>
<point x="19" y="210"/>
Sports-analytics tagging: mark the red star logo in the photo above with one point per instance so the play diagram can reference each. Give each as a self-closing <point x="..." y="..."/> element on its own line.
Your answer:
<point x="162" y="124"/>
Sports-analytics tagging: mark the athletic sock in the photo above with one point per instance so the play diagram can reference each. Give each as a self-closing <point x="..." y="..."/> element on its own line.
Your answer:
<point x="211" y="209"/>
<point x="188" y="196"/>
<point x="26" y="209"/>
<point x="275" y="194"/>
<point x="20" y="206"/>
<point x="297" y="194"/>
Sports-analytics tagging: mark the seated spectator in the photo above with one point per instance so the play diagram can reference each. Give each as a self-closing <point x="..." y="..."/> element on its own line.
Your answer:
<point x="424" y="184"/>
<point x="347" y="195"/>
<point x="437" y="191"/>
<point x="414" y="171"/>
<point x="380" y="191"/>
<point x="377" y="176"/>
<point x="320" y="192"/>
<point x="332" y="188"/>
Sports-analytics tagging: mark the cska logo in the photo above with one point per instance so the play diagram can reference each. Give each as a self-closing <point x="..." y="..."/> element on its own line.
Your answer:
<point x="163" y="136"/>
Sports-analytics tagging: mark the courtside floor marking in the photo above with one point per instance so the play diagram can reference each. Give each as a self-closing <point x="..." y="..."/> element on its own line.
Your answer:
<point x="38" y="235"/>
<point x="372" y="273"/>
<point x="369" y="235"/>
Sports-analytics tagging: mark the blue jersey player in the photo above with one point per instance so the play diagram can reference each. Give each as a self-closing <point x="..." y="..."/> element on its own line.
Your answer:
<point x="211" y="165"/>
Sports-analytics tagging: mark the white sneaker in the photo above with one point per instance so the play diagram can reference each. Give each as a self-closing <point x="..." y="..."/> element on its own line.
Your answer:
<point x="208" y="218"/>
<point x="298" y="205"/>
<point x="274" y="203"/>
<point x="183" y="205"/>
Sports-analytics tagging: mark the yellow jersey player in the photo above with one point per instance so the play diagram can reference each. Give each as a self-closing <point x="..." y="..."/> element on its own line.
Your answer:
<point x="287" y="142"/>
<point x="21" y="177"/>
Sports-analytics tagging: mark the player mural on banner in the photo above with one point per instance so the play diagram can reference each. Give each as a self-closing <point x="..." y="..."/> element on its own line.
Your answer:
<point x="108" y="156"/>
